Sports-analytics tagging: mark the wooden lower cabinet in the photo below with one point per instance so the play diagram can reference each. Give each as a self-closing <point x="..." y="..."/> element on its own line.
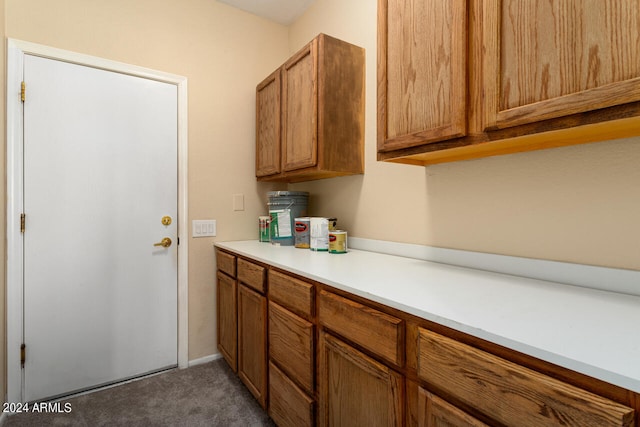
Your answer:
<point x="356" y="390"/>
<point x="252" y="340"/>
<point x="436" y="412"/>
<point x="319" y="355"/>
<point x="227" y="305"/>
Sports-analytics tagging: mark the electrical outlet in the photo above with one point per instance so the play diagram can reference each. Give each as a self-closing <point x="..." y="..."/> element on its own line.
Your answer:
<point x="204" y="228"/>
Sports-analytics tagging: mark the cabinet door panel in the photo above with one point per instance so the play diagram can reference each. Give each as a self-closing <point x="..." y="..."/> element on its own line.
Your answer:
<point x="252" y="339"/>
<point x="300" y="109"/>
<point x="355" y="389"/>
<point x="551" y="59"/>
<point x="228" y="319"/>
<point x="268" y="125"/>
<point x="422" y="60"/>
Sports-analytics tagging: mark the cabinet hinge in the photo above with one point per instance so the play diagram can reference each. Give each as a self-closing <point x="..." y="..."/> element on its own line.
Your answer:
<point x="23" y="91"/>
<point x="23" y="354"/>
<point x="22" y="222"/>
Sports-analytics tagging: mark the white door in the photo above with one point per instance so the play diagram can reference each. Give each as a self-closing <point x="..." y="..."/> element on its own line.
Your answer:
<point x="100" y="173"/>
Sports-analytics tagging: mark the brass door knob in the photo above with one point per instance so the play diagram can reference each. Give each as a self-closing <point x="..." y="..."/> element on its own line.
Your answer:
<point x="165" y="243"/>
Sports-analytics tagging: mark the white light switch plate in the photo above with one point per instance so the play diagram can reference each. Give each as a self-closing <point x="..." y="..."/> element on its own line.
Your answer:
<point x="238" y="202"/>
<point x="204" y="228"/>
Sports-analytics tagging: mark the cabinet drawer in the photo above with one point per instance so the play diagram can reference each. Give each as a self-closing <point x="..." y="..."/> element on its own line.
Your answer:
<point x="510" y="393"/>
<point x="226" y="262"/>
<point x="288" y="405"/>
<point x="436" y="412"/>
<point x="291" y="293"/>
<point x="291" y="345"/>
<point x="251" y="274"/>
<point x="376" y="331"/>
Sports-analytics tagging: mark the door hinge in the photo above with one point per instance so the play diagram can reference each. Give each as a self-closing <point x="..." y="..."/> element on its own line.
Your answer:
<point x="22" y="222"/>
<point x="23" y="91"/>
<point x="23" y="354"/>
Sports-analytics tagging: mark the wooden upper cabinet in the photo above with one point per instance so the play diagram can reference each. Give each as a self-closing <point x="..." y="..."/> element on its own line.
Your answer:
<point x="548" y="59"/>
<point x="465" y="79"/>
<point x="422" y="78"/>
<point x="268" y="125"/>
<point x="321" y="119"/>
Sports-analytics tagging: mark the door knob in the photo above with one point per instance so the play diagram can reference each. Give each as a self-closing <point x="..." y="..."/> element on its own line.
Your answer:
<point x="165" y="243"/>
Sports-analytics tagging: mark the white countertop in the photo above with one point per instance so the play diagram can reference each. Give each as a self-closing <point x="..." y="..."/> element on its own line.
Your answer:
<point x="590" y="331"/>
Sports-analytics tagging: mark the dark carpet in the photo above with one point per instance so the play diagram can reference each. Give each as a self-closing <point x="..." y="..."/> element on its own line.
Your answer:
<point x="204" y="395"/>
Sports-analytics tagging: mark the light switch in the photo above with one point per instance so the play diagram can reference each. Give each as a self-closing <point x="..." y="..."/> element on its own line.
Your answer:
<point x="204" y="228"/>
<point x="238" y="202"/>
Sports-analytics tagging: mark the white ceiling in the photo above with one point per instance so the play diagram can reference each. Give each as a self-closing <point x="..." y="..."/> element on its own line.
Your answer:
<point x="282" y="11"/>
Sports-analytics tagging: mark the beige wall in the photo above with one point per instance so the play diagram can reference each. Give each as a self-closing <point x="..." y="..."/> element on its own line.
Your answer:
<point x="577" y="204"/>
<point x="224" y="53"/>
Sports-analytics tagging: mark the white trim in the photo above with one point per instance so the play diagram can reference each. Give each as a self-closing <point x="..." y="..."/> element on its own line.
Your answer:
<point x="16" y="49"/>
<point x="587" y="276"/>
<point x="95" y="62"/>
<point x="206" y="359"/>
<point x="14" y="207"/>
<point x="183" y="226"/>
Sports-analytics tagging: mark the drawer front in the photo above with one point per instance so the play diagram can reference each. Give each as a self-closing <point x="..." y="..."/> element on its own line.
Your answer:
<point x="291" y="345"/>
<point x="288" y="405"/>
<point x="434" y="412"/>
<point x="510" y="393"/>
<point x="226" y="262"/>
<point x="291" y="293"/>
<point x="376" y="331"/>
<point x="251" y="274"/>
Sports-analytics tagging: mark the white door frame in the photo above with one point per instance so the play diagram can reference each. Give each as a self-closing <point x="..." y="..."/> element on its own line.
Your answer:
<point x="16" y="50"/>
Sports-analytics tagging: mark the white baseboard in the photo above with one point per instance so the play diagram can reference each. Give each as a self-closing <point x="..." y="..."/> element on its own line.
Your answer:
<point x="588" y="276"/>
<point x="205" y="359"/>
